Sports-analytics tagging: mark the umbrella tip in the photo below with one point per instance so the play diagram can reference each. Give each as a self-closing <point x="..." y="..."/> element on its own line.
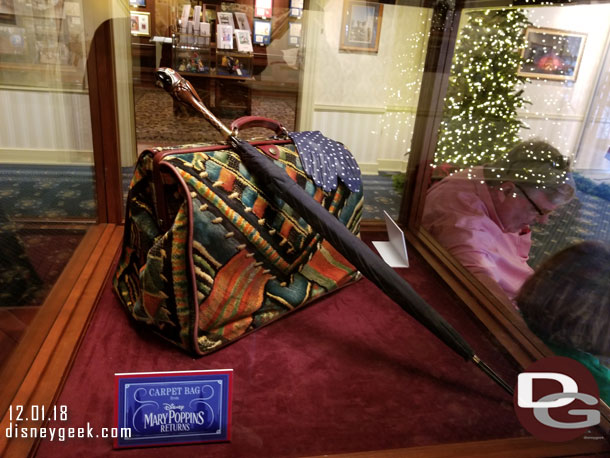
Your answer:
<point x="492" y="374"/>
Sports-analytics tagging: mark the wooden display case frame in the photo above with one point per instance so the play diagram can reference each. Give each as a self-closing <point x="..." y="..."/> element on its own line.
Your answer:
<point x="37" y="376"/>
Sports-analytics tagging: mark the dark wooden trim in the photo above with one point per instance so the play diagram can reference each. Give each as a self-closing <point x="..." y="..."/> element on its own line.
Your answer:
<point x="104" y="125"/>
<point x="37" y="226"/>
<point x="51" y="360"/>
<point x="372" y="226"/>
<point x="17" y="366"/>
<point x="444" y="27"/>
<point x="522" y="447"/>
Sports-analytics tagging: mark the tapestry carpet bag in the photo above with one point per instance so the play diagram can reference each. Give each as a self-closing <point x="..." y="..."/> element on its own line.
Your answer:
<point x="208" y="256"/>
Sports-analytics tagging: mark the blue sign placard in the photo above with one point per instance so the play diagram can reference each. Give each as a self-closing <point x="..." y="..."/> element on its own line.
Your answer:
<point x="169" y="408"/>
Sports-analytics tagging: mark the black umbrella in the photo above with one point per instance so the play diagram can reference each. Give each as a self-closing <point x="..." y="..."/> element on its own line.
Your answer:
<point x="275" y="180"/>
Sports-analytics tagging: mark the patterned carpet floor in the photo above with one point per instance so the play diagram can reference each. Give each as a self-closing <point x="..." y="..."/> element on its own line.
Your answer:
<point x="159" y="120"/>
<point x="49" y="192"/>
<point x="587" y="217"/>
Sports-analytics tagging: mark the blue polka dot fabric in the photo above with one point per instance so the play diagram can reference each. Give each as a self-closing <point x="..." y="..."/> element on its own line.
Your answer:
<point x="325" y="160"/>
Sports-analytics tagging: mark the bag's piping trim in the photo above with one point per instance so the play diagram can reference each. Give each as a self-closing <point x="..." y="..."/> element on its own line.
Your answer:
<point x="190" y="263"/>
<point x="159" y="154"/>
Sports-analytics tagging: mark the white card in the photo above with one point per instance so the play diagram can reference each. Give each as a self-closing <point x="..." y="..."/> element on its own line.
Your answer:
<point x="394" y="252"/>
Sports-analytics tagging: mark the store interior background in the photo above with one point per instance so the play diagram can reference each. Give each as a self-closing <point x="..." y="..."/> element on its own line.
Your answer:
<point x="368" y="101"/>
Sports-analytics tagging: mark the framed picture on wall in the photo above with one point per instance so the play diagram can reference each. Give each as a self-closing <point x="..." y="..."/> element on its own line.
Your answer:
<point x="263" y="8"/>
<point x="138" y="3"/>
<point x="361" y="26"/>
<point x="243" y="40"/>
<point x="224" y="36"/>
<point x="140" y="24"/>
<point x="262" y="32"/>
<point x="296" y="8"/>
<point x="552" y="54"/>
<point x="294" y="33"/>
<point x="225" y="19"/>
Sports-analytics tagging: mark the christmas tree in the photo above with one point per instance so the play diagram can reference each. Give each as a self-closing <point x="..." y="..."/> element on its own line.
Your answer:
<point x="480" y="114"/>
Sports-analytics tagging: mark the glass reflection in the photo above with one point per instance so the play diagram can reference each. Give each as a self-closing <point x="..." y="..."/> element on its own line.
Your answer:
<point x="537" y="75"/>
<point x="365" y="99"/>
<point x="482" y="214"/>
<point x="567" y="304"/>
<point x="368" y="101"/>
<point x="47" y="193"/>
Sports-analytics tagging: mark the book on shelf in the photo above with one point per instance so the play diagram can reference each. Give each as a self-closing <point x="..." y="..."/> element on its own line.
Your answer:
<point x="225" y="19"/>
<point x="224" y="36"/>
<point x="242" y="21"/>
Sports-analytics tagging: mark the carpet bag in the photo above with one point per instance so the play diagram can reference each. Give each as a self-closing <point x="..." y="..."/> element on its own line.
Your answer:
<point x="208" y="256"/>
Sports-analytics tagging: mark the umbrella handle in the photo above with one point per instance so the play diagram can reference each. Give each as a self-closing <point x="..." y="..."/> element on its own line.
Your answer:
<point x="182" y="91"/>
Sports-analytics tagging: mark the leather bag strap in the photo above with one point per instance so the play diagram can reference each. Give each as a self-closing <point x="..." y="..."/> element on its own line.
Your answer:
<point x="247" y="122"/>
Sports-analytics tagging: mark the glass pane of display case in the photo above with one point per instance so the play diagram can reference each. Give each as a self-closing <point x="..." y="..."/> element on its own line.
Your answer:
<point x="546" y="84"/>
<point x="362" y="91"/>
<point x="47" y="186"/>
<point x="516" y="188"/>
<point x="351" y="372"/>
<point x="291" y="71"/>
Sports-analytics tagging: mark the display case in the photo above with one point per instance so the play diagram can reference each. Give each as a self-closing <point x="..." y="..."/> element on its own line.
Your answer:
<point x="191" y="53"/>
<point x="231" y="63"/>
<point x="350" y="374"/>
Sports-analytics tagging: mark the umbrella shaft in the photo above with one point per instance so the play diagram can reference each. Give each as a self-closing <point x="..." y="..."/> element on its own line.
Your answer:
<point x="351" y="247"/>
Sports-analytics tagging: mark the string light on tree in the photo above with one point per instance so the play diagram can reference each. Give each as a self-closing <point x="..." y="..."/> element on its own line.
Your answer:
<point x="403" y="80"/>
<point x="480" y="121"/>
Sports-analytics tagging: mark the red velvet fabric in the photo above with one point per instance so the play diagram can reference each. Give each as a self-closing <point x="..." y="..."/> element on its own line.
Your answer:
<point x="349" y="373"/>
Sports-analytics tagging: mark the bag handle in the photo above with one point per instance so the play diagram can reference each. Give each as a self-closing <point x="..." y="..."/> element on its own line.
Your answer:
<point x="246" y="122"/>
